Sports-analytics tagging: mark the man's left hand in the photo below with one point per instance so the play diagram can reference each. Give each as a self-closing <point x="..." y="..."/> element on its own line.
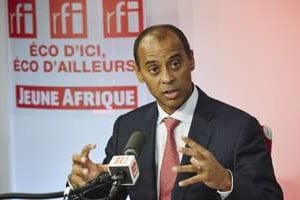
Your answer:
<point x="205" y="166"/>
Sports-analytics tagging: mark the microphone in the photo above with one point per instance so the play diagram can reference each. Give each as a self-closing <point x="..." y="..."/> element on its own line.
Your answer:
<point x="135" y="144"/>
<point x="123" y="168"/>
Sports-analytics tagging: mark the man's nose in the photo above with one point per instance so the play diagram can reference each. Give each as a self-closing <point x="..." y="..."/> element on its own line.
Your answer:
<point x="166" y="76"/>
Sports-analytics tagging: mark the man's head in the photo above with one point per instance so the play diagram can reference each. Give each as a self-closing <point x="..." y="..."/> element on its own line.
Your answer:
<point x="164" y="61"/>
<point x="155" y="30"/>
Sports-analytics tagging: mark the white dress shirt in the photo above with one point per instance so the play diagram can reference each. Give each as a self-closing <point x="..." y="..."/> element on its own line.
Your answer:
<point x="185" y="115"/>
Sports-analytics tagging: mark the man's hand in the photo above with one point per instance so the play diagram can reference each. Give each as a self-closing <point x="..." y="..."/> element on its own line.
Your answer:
<point x="207" y="169"/>
<point x="83" y="169"/>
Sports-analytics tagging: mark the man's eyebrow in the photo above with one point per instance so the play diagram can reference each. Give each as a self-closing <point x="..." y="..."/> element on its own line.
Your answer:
<point x="150" y="62"/>
<point x="177" y="55"/>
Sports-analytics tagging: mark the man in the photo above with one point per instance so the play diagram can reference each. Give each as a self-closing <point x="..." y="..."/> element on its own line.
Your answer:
<point x="221" y="149"/>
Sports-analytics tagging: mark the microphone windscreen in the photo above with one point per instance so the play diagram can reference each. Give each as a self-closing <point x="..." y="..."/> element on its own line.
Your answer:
<point x="135" y="144"/>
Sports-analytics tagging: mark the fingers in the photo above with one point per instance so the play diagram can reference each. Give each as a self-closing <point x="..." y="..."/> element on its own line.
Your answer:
<point x="197" y="163"/>
<point x="86" y="150"/>
<point x="193" y="148"/>
<point x="197" y="153"/>
<point x="191" y="181"/>
<point x="187" y="169"/>
<point x="102" y="168"/>
<point x="76" y="181"/>
<point x="203" y="163"/>
<point x="83" y="169"/>
<point x="77" y="159"/>
<point x="83" y="157"/>
<point x="196" y="166"/>
<point x="190" y="168"/>
<point x="79" y="170"/>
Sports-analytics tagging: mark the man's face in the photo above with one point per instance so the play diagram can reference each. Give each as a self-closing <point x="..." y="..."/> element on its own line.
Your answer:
<point x="166" y="69"/>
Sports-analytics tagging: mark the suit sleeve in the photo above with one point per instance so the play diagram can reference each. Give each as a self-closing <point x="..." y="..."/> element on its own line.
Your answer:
<point x="253" y="173"/>
<point x="112" y="148"/>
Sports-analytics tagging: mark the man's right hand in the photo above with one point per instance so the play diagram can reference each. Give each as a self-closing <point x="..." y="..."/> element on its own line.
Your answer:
<point x="83" y="169"/>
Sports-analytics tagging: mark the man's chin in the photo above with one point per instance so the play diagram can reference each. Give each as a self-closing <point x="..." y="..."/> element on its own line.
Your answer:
<point x="173" y="104"/>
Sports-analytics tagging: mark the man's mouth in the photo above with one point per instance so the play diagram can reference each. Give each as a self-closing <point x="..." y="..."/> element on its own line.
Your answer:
<point x="171" y="94"/>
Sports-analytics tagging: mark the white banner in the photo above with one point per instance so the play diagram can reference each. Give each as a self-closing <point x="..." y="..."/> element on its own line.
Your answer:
<point x="71" y="71"/>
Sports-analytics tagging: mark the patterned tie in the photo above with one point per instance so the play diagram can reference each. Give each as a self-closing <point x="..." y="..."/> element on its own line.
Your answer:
<point x="170" y="158"/>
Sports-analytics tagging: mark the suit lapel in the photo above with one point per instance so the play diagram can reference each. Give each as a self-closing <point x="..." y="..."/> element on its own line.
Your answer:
<point x="151" y="120"/>
<point x="146" y="183"/>
<point x="201" y="132"/>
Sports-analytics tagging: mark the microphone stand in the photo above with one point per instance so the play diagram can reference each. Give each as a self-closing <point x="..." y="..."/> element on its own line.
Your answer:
<point x="99" y="183"/>
<point x="32" y="195"/>
<point x="116" y="186"/>
<point x="116" y="181"/>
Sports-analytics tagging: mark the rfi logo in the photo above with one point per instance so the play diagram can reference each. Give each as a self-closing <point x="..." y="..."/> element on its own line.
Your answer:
<point x="121" y="160"/>
<point x="68" y="19"/>
<point x="134" y="169"/>
<point x="22" y="18"/>
<point x="122" y="18"/>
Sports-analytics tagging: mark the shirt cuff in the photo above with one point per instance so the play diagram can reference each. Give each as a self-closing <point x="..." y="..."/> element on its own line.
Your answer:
<point x="69" y="183"/>
<point x="225" y="194"/>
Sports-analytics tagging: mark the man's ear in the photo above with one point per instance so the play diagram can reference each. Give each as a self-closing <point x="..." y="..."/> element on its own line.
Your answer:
<point x="192" y="60"/>
<point x="138" y="73"/>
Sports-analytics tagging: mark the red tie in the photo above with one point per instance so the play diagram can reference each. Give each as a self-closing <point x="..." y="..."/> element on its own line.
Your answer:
<point x="170" y="159"/>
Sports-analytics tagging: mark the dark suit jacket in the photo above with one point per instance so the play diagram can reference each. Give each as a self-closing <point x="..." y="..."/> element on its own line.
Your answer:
<point x="232" y="136"/>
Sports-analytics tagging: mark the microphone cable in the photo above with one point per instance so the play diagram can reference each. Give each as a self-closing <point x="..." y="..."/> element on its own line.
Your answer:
<point x="100" y="182"/>
<point x="18" y="195"/>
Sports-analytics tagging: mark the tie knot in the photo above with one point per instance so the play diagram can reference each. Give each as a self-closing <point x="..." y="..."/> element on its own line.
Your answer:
<point x="171" y="123"/>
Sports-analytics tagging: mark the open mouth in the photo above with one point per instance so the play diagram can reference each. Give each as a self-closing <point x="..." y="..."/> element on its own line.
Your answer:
<point x="171" y="94"/>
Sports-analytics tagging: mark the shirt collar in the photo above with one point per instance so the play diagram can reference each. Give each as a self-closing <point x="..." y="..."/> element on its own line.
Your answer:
<point x="185" y="112"/>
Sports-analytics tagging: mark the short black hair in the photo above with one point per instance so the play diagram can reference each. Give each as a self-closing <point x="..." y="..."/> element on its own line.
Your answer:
<point x="156" y="29"/>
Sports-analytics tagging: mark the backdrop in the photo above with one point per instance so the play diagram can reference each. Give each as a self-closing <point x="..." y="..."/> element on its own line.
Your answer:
<point x="67" y="68"/>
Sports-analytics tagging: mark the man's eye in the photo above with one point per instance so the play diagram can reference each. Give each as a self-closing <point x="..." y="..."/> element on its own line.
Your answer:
<point x="175" y="64"/>
<point x="153" y="70"/>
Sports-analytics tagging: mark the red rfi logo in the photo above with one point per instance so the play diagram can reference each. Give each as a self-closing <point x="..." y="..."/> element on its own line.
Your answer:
<point x="122" y="18"/>
<point x="68" y="19"/>
<point x="121" y="160"/>
<point x="22" y="18"/>
<point x="134" y="169"/>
